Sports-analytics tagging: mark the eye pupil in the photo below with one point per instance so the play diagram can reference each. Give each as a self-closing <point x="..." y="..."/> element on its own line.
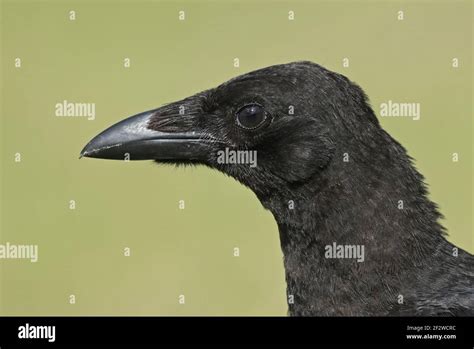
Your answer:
<point x="251" y="116"/>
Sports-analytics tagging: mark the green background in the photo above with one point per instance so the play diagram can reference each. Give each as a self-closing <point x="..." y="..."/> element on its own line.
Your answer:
<point x="135" y="204"/>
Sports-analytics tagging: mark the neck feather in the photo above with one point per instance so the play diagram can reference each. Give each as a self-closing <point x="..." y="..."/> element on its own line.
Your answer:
<point x="355" y="232"/>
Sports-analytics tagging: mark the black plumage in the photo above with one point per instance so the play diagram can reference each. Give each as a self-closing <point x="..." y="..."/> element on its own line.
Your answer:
<point x="329" y="174"/>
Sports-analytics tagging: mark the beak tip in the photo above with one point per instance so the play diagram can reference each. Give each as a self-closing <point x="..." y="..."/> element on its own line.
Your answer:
<point x="84" y="152"/>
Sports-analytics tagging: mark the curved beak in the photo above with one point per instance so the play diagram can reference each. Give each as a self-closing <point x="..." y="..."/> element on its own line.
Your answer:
<point x="132" y="139"/>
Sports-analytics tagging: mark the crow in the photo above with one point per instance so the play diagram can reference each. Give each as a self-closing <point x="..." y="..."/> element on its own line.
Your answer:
<point x="337" y="184"/>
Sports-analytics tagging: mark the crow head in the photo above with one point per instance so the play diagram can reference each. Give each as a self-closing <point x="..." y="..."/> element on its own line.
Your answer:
<point x="277" y="126"/>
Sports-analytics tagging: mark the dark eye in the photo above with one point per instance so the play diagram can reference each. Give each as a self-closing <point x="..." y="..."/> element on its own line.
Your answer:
<point x="251" y="116"/>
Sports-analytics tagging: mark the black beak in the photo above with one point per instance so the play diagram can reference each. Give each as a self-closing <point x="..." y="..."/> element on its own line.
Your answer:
<point x="132" y="139"/>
